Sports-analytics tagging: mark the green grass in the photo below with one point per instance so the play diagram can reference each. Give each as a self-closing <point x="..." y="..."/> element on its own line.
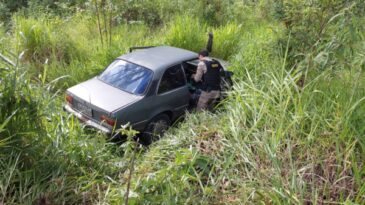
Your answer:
<point x="272" y="141"/>
<point x="187" y="32"/>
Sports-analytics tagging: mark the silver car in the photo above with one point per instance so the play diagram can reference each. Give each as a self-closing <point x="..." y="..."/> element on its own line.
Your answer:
<point x="148" y="88"/>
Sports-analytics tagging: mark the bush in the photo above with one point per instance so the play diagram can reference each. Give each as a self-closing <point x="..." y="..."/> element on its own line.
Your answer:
<point x="311" y="25"/>
<point x="4" y="13"/>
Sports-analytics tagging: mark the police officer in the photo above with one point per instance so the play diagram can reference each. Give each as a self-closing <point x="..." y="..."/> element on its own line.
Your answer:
<point x="208" y="72"/>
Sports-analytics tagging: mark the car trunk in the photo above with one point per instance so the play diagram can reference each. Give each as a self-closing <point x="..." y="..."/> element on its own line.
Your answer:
<point x="94" y="98"/>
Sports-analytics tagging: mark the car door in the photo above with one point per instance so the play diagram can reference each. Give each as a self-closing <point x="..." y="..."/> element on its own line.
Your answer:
<point x="172" y="92"/>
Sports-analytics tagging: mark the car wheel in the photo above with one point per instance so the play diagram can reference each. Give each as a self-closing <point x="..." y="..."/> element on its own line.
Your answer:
<point x="155" y="128"/>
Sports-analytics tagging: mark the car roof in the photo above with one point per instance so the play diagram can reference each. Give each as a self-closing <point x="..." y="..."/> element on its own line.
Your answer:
<point x="159" y="57"/>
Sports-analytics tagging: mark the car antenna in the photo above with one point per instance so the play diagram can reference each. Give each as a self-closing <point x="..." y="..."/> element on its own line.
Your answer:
<point x="210" y="42"/>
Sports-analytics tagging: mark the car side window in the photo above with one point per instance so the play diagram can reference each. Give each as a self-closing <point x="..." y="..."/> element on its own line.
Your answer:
<point x="172" y="78"/>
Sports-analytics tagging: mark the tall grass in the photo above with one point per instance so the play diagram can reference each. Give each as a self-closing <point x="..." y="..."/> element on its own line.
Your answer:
<point x="227" y="40"/>
<point x="187" y="32"/>
<point x="45" y="154"/>
<point x="70" y="49"/>
<point x="38" y="37"/>
<point x="271" y="142"/>
<point x="274" y="143"/>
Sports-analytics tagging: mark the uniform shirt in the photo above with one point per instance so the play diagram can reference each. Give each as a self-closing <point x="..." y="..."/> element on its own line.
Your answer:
<point x="201" y="70"/>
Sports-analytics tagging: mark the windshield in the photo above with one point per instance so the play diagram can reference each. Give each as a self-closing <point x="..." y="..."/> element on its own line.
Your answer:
<point x="127" y="76"/>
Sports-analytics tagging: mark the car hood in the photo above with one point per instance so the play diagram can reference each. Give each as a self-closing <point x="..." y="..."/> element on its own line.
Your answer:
<point x="102" y="95"/>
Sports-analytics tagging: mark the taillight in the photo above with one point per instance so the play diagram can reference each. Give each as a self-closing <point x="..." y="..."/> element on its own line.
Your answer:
<point x="108" y="120"/>
<point x="69" y="98"/>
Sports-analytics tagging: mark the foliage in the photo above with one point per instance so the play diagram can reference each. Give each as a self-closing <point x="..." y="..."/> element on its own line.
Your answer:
<point x="39" y="39"/>
<point x="14" y="5"/>
<point x="227" y="40"/>
<point x="186" y="32"/>
<point x="272" y="141"/>
<point x="4" y="12"/>
<point x="313" y="23"/>
<point x="192" y="34"/>
<point x="39" y="145"/>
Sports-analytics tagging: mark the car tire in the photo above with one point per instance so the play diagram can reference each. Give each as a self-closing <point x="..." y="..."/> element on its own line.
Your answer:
<point x="155" y="128"/>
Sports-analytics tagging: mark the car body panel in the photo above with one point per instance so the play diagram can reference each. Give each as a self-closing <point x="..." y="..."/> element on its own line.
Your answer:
<point x="89" y="121"/>
<point x="157" y="58"/>
<point x="102" y="95"/>
<point x="138" y="114"/>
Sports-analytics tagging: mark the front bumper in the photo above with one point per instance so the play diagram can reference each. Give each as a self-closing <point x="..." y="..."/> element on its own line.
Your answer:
<point x="87" y="121"/>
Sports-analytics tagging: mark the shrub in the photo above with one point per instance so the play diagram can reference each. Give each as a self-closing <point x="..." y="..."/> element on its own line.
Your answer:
<point x="4" y="12"/>
<point x="312" y="24"/>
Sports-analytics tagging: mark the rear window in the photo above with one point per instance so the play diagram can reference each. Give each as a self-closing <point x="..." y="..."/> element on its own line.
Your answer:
<point x="127" y="76"/>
